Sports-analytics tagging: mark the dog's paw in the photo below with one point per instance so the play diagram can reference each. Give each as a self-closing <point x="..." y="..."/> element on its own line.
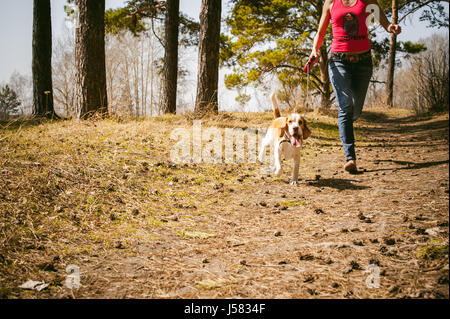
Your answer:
<point x="294" y="183"/>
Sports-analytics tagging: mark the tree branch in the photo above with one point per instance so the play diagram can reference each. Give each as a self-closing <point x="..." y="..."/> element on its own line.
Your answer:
<point x="162" y="4"/>
<point x="318" y="86"/>
<point x="415" y="9"/>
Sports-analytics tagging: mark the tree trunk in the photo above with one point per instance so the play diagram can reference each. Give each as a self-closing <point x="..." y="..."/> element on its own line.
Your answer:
<point x="91" y="94"/>
<point x="391" y="62"/>
<point x="325" y="101"/>
<point x="208" y="57"/>
<point x="42" y="60"/>
<point x="169" y="98"/>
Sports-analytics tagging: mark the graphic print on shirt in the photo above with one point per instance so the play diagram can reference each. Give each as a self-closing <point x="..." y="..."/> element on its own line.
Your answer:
<point x="350" y="24"/>
<point x="349" y="27"/>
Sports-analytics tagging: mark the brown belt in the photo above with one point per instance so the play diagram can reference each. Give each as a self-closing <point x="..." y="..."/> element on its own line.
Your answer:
<point x="351" y="57"/>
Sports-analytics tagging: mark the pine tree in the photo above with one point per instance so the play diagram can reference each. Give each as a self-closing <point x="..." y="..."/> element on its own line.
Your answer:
<point x="275" y="37"/>
<point x="208" y="57"/>
<point x="42" y="60"/>
<point x="90" y="96"/>
<point x="170" y="70"/>
<point x="9" y="102"/>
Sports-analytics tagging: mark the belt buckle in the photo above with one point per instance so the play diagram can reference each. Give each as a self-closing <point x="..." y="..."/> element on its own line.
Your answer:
<point x="354" y="58"/>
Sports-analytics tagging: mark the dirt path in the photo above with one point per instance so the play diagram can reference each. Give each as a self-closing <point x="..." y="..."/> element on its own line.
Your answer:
<point x="241" y="234"/>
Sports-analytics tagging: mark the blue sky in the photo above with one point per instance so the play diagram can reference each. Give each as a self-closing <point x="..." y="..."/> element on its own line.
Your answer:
<point x="16" y="19"/>
<point x="16" y="27"/>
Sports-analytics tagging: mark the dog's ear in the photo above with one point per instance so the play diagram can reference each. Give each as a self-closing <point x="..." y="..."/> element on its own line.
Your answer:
<point x="305" y="129"/>
<point x="280" y="122"/>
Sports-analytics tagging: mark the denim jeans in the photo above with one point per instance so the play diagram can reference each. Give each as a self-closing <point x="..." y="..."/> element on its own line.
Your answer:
<point x="350" y="81"/>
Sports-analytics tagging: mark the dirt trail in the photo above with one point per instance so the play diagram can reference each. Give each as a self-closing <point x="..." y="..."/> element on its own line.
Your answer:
<point x="259" y="237"/>
<point x="315" y="240"/>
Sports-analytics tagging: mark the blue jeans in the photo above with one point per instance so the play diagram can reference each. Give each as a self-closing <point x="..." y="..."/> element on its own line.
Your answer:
<point x="350" y="81"/>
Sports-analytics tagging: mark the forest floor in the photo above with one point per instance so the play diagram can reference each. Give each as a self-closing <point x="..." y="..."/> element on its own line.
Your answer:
<point x="104" y="196"/>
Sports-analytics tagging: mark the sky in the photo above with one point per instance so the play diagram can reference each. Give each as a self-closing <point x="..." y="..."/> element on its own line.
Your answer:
<point x="16" y="25"/>
<point x="16" y="28"/>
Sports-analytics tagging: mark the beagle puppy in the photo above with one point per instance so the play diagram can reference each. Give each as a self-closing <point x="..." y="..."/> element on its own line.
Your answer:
<point x="287" y="134"/>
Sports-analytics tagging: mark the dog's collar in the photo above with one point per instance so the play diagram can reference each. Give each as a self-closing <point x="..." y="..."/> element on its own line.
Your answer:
<point x="286" y="138"/>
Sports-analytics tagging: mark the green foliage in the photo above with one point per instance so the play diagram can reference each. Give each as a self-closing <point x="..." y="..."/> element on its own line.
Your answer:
<point x="189" y="30"/>
<point x="380" y="49"/>
<point x="412" y="48"/>
<point x="133" y="18"/>
<point x="270" y="37"/>
<point x="433" y="11"/>
<point x="226" y="50"/>
<point x="242" y="99"/>
<point x="117" y="20"/>
<point x="9" y="103"/>
<point x="275" y="37"/>
<point x="436" y="16"/>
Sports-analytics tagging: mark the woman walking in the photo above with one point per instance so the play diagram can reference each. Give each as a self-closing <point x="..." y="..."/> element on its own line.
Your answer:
<point x="350" y="64"/>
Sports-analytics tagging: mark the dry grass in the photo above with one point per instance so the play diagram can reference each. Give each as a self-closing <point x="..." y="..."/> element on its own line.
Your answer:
<point x="104" y="195"/>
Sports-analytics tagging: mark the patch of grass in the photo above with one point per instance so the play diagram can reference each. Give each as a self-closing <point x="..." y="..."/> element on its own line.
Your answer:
<point x="324" y="129"/>
<point x="294" y="203"/>
<point x="5" y="292"/>
<point x="433" y="251"/>
<point x="153" y="221"/>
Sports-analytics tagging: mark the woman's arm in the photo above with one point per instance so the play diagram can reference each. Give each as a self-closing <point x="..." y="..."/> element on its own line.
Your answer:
<point x="389" y="27"/>
<point x="323" y="25"/>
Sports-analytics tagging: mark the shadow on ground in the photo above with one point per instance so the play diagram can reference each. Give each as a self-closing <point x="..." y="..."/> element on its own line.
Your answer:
<point x="337" y="183"/>
<point x="407" y="165"/>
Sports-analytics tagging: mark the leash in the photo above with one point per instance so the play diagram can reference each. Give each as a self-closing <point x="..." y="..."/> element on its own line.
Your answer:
<point x="307" y="69"/>
<point x="307" y="94"/>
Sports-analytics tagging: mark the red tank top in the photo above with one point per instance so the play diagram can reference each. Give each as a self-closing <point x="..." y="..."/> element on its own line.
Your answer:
<point x="349" y="27"/>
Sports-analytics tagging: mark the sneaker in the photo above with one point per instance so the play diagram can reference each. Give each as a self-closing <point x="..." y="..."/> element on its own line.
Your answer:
<point x="350" y="167"/>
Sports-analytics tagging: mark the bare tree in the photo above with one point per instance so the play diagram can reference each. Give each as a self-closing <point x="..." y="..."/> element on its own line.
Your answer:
<point x="423" y="84"/>
<point x="64" y="74"/>
<point x="23" y="86"/>
<point x="132" y="75"/>
<point x="132" y="72"/>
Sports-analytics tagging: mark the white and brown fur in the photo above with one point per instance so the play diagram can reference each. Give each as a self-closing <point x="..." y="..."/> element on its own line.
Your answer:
<point x="287" y="134"/>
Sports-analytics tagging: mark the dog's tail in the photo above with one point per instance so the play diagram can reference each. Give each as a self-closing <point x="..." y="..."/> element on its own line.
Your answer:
<point x="276" y="111"/>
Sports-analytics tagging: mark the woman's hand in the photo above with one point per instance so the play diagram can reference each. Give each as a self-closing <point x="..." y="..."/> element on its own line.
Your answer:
<point x="394" y="28"/>
<point x="314" y="56"/>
